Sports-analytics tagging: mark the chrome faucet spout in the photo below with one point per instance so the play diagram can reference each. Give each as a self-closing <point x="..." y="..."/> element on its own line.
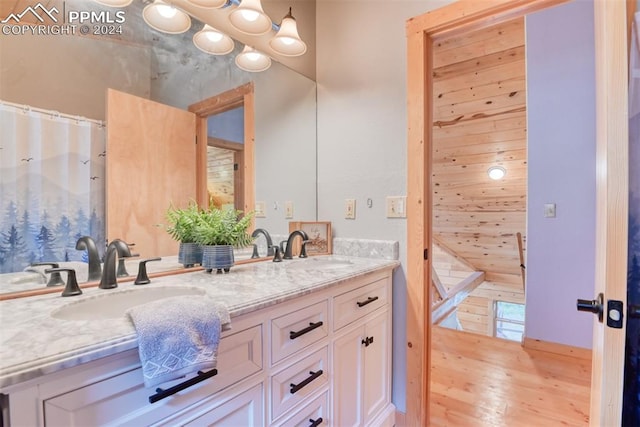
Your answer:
<point x="292" y="237"/>
<point x="87" y="243"/>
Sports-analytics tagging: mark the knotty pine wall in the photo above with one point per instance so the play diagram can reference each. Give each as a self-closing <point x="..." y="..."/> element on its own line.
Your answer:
<point x="479" y="121"/>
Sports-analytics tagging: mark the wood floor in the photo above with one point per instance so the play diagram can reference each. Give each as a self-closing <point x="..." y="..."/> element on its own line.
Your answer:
<point x="483" y="381"/>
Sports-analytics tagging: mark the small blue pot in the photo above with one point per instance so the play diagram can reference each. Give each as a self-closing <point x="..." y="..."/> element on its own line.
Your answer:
<point x="217" y="257"/>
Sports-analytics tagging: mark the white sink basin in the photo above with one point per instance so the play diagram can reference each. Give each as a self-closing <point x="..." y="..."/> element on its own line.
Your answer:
<point x="319" y="264"/>
<point x="114" y="304"/>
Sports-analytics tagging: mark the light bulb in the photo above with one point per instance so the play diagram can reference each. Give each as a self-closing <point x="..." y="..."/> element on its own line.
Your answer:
<point x="167" y="11"/>
<point x="250" y="15"/>
<point x="287" y="40"/>
<point x="496" y="172"/>
<point x="214" y="36"/>
<point x="253" y="56"/>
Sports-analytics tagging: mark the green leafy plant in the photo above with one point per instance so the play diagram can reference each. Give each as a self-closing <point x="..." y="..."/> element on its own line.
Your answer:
<point x="182" y="222"/>
<point x="223" y="227"/>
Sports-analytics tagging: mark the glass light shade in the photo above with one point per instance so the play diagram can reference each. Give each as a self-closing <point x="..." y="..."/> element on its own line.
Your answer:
<point x="212" y="41"/>
<point x="114" y="3"/>
<point x="287" y="42"/>
<point x="208" y="3"/>
<point x="496" y="172"/>
<point x="166" y="18"/>
<point x="249" y="18"/>
<point x="253" y="61"/>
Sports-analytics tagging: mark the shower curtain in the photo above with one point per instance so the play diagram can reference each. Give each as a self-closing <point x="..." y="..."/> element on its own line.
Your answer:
<point x="631" y="408"/>
<point x="51" y="185"/>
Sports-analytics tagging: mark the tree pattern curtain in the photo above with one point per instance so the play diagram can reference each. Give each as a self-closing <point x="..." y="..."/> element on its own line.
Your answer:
<point x="52" y="185"/>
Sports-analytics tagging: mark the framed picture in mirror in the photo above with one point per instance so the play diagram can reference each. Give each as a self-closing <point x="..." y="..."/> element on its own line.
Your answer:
<point x="319" y="233"/>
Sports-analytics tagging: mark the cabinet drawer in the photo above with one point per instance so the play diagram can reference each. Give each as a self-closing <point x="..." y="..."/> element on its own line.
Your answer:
<point x="315" y="413"/>
<point x="123" y="399"/>
<point x="297" y="330"/>
<point x="298" y="381"/>
<point x="359" y="302"/>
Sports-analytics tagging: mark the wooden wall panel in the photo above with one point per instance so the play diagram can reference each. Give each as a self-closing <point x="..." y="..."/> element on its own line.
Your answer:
<point x="479" y="120"/>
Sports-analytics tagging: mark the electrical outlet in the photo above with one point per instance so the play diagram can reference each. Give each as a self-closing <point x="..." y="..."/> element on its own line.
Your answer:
<point x="288" y="209"/>
<point x="350" y="209"/>
<point x="396" y="207"/>
<point x="260" y="210"/>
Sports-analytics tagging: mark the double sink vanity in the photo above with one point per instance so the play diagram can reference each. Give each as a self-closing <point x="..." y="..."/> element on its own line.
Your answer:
<point x="309" y="345"/>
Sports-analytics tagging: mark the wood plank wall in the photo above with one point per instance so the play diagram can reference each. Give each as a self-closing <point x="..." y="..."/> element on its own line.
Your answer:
<point x="220" y="176"/>
<point x="480" y="121"/>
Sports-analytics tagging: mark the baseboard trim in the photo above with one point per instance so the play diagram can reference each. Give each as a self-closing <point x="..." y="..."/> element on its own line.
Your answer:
<point x="563" y="349"/>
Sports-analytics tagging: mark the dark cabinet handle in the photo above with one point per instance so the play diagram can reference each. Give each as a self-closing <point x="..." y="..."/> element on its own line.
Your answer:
<point x="161" y="394"/>
<point x="368" y="301"/>
<point x="295" y="334"/>
<point x="315" y="423"/>
<point x="313" y="375"/>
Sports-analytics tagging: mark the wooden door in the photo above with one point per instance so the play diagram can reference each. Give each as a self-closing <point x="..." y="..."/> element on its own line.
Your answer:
<point x="612" y="188"/>
<point x="151" y="164"/>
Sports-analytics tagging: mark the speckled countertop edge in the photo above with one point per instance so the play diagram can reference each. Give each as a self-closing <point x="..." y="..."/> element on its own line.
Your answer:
<point x="32" y="343"/>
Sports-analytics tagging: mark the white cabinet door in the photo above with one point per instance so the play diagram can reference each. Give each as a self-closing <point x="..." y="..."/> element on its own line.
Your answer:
<point x="376" y="375"/>
<point x="361" y="387"/>
<point x="347" y="379"/>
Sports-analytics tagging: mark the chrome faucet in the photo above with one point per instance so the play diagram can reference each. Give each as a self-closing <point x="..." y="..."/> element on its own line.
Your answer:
<point x="87" y="243"/>
<point x="267" y="236"/>
<point x="123" y="252"/>
<point x="109" y="278"/>
<point x="292" y="236"/>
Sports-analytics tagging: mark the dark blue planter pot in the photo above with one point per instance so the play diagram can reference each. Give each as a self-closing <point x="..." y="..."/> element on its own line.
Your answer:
<point x="190" y="254"/>
<point x="218" y="257"/>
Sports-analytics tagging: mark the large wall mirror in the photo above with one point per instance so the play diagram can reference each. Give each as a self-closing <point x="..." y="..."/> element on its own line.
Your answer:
<point x="68" y="75"/>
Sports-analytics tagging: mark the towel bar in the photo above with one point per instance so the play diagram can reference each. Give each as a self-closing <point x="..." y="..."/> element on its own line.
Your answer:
<point x="161" y="394"/>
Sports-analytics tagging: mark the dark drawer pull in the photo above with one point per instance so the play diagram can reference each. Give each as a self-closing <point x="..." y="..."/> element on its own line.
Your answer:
<point x="295" y="334"/>
<point x="368" y="301"/>
<point x="315" y="423"/>
<point x="313" y="376"/>
<point x="161" y="394"/>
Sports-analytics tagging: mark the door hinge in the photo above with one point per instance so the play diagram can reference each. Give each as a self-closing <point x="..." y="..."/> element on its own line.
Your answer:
<point x="426" y="254"/>
<point x="235" y="166"/>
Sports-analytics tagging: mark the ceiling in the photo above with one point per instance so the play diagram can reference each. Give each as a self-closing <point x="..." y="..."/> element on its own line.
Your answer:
<point x="479" y="119"/>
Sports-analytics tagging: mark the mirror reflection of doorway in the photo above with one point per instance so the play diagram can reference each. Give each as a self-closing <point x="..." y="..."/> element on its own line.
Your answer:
<point x="225" y="154"/>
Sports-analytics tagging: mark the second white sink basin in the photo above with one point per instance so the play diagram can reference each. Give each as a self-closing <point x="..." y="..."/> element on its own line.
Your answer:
<point x="319" y="264"/>
<point x="114" y="304"/>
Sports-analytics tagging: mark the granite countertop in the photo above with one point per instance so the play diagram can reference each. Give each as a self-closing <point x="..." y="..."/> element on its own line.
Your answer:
<point x="33" y="343"/>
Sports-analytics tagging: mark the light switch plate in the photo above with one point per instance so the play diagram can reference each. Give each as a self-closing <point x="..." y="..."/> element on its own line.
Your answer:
<point x="288" y="209"/>
<point x="396" y="207"/>
<point x="350" y="209"/>
<point x="549" y="210"/>
<point x="261" y="211"/>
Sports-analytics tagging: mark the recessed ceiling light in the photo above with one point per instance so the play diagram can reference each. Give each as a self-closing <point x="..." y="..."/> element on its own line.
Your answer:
<point x="496" y="172"/>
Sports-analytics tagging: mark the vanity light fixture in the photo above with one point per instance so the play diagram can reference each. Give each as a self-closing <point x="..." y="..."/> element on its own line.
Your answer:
<point x="166" y="18"/>
<point x="212" y="4"/>
<point x="212" y="41"/>
<point x="496" y="172"/>
<point x="249" y="18"/>
<point x="251" y="60"/>
<point x="287" y="42"/>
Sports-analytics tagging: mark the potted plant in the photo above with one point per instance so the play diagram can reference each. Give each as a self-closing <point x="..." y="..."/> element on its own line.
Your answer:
<point x="182" y="224"/>
<point x="219" y="231"/>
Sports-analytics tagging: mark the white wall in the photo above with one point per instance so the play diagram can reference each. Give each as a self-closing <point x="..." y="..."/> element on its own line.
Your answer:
<point x="561" y="151"/>
<point x="362" y="129"/>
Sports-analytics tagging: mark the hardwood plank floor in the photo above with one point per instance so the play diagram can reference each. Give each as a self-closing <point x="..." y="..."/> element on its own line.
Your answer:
<point x="483" y="381"/>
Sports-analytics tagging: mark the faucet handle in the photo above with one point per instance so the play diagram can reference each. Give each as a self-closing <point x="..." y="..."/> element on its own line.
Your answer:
<point x="143" y="278"/>
<point x="255" y="253"/>
<point x="122" y="269"/>
<point x="55" y="279"/>
<point x="72" y="287"/>
<point x="277" y="255"/>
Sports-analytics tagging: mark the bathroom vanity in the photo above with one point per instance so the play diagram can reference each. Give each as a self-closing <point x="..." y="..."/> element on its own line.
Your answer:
<point x="309" y="345"/>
